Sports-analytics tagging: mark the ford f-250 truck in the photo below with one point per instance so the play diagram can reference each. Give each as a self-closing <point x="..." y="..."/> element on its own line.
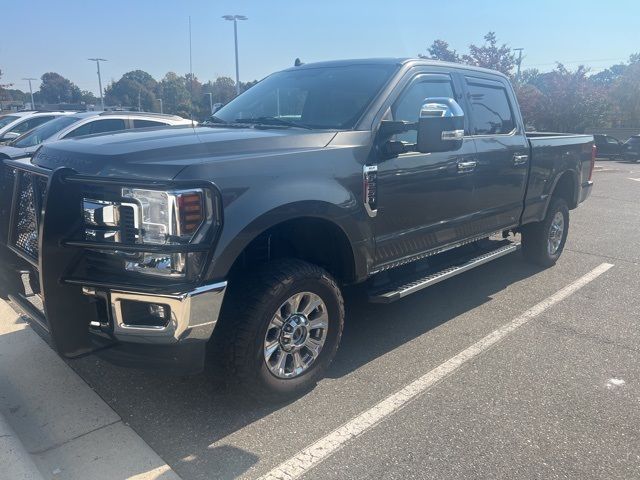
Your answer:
<point x="152" y="248"/>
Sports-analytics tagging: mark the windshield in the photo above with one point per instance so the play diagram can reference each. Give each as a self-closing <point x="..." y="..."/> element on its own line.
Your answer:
<point x="634" y="140"/>
<point x="43" y="132"/>
<point x="7" y="119"/>
<point x="326" y="97"/>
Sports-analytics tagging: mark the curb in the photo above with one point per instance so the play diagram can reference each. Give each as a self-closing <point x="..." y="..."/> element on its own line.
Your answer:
<point x="53" y="426"/>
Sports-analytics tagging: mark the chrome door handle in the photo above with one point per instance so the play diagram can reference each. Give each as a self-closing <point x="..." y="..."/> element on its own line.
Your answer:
<point x="469" y="166"/>
<point x="520" y="160"/>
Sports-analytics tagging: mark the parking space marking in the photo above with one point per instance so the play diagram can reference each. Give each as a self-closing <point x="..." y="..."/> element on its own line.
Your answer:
<point x="635" y="179"/>
<point x="314" y="454"/>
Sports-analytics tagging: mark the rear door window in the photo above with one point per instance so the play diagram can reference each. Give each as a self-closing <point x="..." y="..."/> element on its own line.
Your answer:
<point x="491" y="111"/>
<point x="31" y="123"/>
<point x="138" y="123"/>
<point x="98" y="126"/>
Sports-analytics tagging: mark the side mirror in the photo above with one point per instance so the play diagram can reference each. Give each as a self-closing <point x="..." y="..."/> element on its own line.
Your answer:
<point x="216" y="107"/>
<point x="9" y="136"/>
<point x="440" y="126"/>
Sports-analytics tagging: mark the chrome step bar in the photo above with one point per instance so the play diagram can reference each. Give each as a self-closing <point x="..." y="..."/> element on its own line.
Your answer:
<point x="398" y="292"/>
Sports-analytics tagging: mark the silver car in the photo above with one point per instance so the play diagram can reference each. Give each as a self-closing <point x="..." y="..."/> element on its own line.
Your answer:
<point x="85" y="123"/>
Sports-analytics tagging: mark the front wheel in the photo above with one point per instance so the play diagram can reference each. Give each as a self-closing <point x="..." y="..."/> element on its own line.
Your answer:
<point x="543" y="242"/>
<point x="283" y="328"/>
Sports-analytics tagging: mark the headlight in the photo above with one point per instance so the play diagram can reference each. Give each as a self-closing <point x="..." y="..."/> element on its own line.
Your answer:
<point x="153" y="217"/>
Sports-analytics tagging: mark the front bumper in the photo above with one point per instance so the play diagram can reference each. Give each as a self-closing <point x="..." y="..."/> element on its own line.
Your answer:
<point x="84" y="297"/>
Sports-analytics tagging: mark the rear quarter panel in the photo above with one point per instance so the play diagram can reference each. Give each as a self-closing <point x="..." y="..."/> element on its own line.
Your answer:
<point x="552" y="156"/>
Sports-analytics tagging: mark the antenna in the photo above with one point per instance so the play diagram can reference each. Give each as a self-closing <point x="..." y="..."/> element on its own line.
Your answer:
<point x="190" y="74"/>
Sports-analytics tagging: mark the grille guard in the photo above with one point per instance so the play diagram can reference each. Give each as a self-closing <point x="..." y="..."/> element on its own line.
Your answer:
<point x="67" y="311"/>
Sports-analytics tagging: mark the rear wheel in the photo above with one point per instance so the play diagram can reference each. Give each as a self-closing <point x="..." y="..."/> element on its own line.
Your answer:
<point x="543" y="242"/>
<point x="282" y="328"/>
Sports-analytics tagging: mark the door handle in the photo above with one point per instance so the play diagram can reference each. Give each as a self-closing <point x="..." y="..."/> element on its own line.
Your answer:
<point x="520" y="160"/>
<point x="467" y="166"/>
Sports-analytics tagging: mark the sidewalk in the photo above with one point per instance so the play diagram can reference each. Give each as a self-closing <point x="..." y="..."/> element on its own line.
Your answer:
<point x="53" y="425"/>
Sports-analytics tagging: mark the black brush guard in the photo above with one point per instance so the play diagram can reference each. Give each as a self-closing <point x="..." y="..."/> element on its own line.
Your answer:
<point x="51" y="257"/>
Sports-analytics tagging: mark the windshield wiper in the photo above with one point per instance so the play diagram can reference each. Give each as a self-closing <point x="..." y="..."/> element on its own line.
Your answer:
<point x="272" y="121"/>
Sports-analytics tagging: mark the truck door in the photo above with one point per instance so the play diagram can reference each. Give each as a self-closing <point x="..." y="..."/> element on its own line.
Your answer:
<point x="502" y="153"/>
<point x="424" y="201"/>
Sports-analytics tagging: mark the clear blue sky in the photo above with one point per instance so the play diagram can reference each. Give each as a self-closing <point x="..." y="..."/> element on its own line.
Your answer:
<point x="38" y="36"/>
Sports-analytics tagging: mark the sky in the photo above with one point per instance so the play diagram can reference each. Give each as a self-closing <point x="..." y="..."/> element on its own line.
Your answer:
<point x="38" y="36"/>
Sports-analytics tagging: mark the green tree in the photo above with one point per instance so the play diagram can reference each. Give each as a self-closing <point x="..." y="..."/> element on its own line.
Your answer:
<point x="440" y="50"/>
<point x="488" y="55"/>
<point x="135" y="88"/>
<point x="625" y="96"/>
<point x="57" y="89"/>
<point x="568" y="101"/>
<point x="174" y="91"/>
<point x="491" y="55"/>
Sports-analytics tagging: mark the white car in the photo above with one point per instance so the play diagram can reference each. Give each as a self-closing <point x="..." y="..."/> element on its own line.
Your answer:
<point x="85" y="123"/>
<point x="14" y="124"/>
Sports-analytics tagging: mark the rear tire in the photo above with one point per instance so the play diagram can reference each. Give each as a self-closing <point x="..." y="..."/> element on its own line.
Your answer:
<point x="281" y="329"/>
<point x="543" y="242"/>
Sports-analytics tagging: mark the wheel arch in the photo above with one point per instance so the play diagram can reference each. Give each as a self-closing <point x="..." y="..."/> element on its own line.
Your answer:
<point x="323" y="235"/>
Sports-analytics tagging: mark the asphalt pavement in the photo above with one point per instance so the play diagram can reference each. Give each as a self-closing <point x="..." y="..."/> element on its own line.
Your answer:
<point x="557" y="397"/>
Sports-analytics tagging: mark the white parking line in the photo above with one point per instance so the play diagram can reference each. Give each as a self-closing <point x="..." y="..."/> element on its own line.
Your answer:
<point x="311" y="456"/>
<point x="636" y="179"/>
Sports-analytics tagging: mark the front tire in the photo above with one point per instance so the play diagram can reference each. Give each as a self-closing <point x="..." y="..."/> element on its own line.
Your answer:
<point x="543" y="242"/>
<point x="283" y="325"/>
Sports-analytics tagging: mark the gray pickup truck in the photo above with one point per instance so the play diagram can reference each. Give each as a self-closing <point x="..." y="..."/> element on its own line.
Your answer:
<point x="154" y="248"/>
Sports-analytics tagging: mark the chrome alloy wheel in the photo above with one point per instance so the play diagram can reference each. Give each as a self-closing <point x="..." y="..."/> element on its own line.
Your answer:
<point x="296" y="334"/>
<point x="556" y="232"/>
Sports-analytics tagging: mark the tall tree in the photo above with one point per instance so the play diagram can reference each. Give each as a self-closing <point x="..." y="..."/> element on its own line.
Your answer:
<point x="625" y="95"/>
<point x="491" y="55"/>
<point x="174" y="91"/>
<point x="134" y="89"/>
<point x="440" y="50"/>
<point x="57" y="89"/>
<point x="488" y="55"/>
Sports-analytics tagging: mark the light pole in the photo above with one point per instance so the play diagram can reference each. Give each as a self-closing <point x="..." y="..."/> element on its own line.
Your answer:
<point x="98" y="60"/>
<point x="234" y="19"/>
<point x="160" y="100"/>
<point x="210" y="101"/>
<point x="33" y="105"/>
<point x="519" y="61"/>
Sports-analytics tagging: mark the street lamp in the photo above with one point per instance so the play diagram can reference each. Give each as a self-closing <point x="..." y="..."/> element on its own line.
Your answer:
<point x="98" y="60"/>
<point x="33" y="105"/>
<point x="234" y="19"/>
<point x="210" y="100"/>
<point x="160" y="100"/>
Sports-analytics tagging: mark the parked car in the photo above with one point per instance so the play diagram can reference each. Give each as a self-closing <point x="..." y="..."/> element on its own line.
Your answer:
<point x="631" y="149"/>
<point x="608" y="146"/>
<point x="85" y="123"/>
<point x="152" y="248"/>
<point x="14" y="124"/>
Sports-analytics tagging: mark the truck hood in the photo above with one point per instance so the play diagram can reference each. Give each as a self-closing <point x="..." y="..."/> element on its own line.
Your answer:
<point x="161" y="154"/>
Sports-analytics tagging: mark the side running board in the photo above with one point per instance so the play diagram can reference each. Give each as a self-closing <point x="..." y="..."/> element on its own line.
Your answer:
<point x="399" y="291"/>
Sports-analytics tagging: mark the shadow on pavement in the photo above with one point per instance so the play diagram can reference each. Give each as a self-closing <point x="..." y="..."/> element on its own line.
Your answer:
<point x="182" y="417"/>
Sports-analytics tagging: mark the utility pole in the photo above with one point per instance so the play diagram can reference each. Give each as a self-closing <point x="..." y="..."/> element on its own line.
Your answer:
<point x="98" y="60"/>
<point x="519" y="50"/>
<point x="139" y="106"/>
<point x="234" y="19"/>
<point x="210" y="101"/>
<point x="33" y="105"/>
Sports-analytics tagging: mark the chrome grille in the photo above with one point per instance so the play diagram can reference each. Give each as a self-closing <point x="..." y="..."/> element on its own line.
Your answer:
<point x="31" y="190"/>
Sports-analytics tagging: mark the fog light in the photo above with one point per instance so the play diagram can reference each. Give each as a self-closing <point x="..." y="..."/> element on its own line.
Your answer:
<point x="160" y="311"/>
<point x="145" y="315"/>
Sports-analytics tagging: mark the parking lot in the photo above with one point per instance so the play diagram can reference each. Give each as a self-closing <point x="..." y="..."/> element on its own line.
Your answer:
<point x="556" y="396"/>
